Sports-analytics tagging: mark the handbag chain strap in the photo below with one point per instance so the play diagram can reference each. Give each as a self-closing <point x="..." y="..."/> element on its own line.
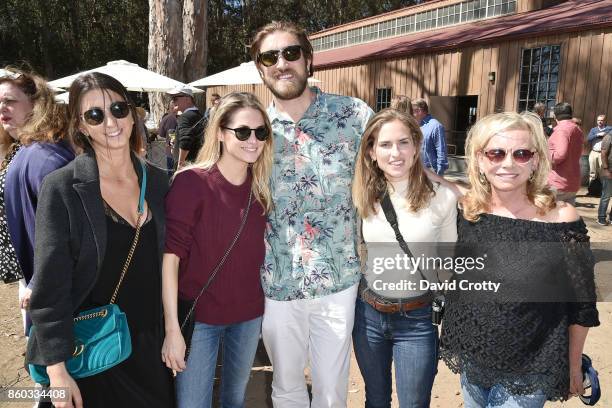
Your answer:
<point x="221" y="261"/>
<point x="126" y="265"/>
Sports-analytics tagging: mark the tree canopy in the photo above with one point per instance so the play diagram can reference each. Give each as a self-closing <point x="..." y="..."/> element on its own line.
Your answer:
<point x="61" y="37"/>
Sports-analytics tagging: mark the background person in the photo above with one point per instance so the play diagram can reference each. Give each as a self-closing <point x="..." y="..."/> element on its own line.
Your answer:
<point x="606" y="180"/>
<point x="85" y="222"/>
<point x="46" y="148"/>
<point x="565" y="149"/>
<point x="204" y="208"/>
<point x="396" y="325"/>
<point x="434" y="153"/>
<point x="15" y="107"/>
<point x="595" y="138"/>
<point x="510" y="350"/>
<point x="190" y="126"/>
<point x="403" y="104"/>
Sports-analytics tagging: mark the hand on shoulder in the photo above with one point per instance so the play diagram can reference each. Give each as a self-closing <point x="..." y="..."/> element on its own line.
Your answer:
<point x="564" y="212"/>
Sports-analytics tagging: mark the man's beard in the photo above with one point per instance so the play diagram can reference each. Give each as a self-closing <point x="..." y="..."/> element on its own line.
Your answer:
<point x="287" y="93"/>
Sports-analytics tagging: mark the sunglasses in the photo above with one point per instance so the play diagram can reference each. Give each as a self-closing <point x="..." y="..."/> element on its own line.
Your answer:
<point x="520" y="156"/>
<point x="243" y="133"/>
<point x="95" y="116"/>
<point x="290" y="53"/>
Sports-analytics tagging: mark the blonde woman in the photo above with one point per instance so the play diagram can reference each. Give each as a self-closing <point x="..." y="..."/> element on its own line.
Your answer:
<point x="204" y="209"/>
<point x="510" y="350"/>
<point x="393" y="324"/>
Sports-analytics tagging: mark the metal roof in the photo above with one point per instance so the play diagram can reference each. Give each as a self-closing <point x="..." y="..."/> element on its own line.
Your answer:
<point x="570" y="16"/>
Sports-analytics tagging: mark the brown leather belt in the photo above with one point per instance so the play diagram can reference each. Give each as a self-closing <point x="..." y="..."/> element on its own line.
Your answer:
<point x="388" y="306"/>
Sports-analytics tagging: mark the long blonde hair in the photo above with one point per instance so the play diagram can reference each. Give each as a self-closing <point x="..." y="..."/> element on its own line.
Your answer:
<point x="478" y="198"/>
<point x="370" y="183"/>
<point x="212" y="149"/>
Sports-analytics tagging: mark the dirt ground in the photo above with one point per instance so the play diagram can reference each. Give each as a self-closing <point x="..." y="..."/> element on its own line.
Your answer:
<point x="446" y="391"/>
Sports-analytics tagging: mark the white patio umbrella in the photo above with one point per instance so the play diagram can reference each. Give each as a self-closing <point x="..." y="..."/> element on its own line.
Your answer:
<point x="132" y="76"/>
<point x="244" y="74"/>
<point x="62" y="98"/>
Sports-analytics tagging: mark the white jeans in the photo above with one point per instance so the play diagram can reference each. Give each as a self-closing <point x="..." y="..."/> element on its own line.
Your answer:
<point x="316" y="329"/>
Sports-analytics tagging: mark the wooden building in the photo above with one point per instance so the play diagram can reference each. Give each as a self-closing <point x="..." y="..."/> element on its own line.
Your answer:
<point x="472" y="58"/>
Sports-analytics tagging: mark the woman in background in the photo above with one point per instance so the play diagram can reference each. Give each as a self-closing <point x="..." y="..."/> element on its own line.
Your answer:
<point x="45" y="148"/>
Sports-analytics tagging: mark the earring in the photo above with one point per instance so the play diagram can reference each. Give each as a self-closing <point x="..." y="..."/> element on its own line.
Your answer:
<point x="532" y="177"/>
<point x="482" y="178"/>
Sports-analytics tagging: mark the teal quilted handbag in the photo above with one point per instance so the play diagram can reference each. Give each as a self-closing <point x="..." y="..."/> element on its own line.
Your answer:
<point x="102" y="340"/>
<point x="101" y="335"/>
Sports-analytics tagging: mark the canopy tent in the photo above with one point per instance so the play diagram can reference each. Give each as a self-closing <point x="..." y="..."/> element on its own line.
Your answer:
<point x="132" y="76"/>
<point x="244" y="74"/>
<point x="62" y="98"/>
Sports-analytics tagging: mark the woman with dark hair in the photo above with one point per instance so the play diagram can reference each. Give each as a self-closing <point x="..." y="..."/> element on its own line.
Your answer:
<point x="45" y="148"/>
<point x="393" y="320"/>
<point x="88" y="218"/>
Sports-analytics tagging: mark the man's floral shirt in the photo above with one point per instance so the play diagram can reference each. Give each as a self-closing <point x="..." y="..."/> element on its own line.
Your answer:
<point x="310" y="239"/>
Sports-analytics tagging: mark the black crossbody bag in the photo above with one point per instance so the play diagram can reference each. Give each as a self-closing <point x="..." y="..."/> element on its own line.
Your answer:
<point x="437" y="305"/>
<point x="185" y="308"/>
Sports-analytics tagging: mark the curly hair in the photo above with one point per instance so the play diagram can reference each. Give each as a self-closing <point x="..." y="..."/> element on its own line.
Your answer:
<point x="478" y="198"/>
<point x="47" y="120"/>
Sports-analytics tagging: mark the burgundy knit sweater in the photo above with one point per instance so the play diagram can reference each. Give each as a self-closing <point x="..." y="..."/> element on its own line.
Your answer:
<point x="203" y="214"/>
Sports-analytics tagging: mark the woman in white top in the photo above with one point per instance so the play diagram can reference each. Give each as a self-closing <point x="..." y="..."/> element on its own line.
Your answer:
<point x="393" y="319"/>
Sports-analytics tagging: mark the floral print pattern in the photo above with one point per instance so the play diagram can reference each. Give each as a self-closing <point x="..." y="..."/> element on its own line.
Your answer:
<point x="310" y="237"/>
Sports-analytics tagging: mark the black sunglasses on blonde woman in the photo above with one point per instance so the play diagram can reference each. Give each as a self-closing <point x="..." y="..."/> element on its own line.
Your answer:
<point x="95" y="116"/>
<point x="243" y="133"/>
<point x="290" y="53"/>
<point x="520" y="156"/>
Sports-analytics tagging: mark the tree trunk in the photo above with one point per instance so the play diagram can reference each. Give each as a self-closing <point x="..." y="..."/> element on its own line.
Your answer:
<point x="178" y="44"/>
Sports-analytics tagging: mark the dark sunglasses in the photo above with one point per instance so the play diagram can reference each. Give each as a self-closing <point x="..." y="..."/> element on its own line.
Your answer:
<point x="521" y="156"/>
<point x="290" y="53"/>
<point x="95" y="116"/>
<point x="243" y="133"/>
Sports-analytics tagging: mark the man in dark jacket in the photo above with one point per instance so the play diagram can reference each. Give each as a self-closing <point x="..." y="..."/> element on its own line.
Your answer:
<point x="189" y="126"/>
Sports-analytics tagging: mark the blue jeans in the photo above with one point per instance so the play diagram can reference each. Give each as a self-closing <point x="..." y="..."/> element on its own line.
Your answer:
<point x="606" y="192"/>
<point x="194" y="386"/>
<point x="409" y="339"/>
<point x="475" y="396"/>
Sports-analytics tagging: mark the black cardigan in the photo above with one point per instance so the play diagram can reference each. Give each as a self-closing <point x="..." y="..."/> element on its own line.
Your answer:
<point x="70" y="244"/>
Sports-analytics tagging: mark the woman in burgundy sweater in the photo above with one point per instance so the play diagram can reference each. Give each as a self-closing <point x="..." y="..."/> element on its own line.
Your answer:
<point x="204" y="209"/>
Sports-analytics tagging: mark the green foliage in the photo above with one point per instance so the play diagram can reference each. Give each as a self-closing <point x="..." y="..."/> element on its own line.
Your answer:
<point x="61" y="37"/>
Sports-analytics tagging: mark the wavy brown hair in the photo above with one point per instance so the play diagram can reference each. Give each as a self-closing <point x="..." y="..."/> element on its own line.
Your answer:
<point x="370" y="184"/>
<point x="212" y="149"/>
<point x="47" y="121"/>
<point x="478" y="198"/>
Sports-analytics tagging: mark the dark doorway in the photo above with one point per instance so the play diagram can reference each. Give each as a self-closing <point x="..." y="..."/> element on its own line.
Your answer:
<point x="467" y="106"/>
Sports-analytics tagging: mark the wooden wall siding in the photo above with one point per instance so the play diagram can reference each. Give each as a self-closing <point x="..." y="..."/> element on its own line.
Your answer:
<point x="585" y="75"/>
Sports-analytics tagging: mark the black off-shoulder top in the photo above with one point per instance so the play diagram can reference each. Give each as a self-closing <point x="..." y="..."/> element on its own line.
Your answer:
<point x="522" y="345"/>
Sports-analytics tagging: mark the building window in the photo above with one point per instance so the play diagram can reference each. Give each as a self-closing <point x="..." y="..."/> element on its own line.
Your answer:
<point x="463" y="12"/>
<point x="383" y="98"/>
<point x="539" y="76"/>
